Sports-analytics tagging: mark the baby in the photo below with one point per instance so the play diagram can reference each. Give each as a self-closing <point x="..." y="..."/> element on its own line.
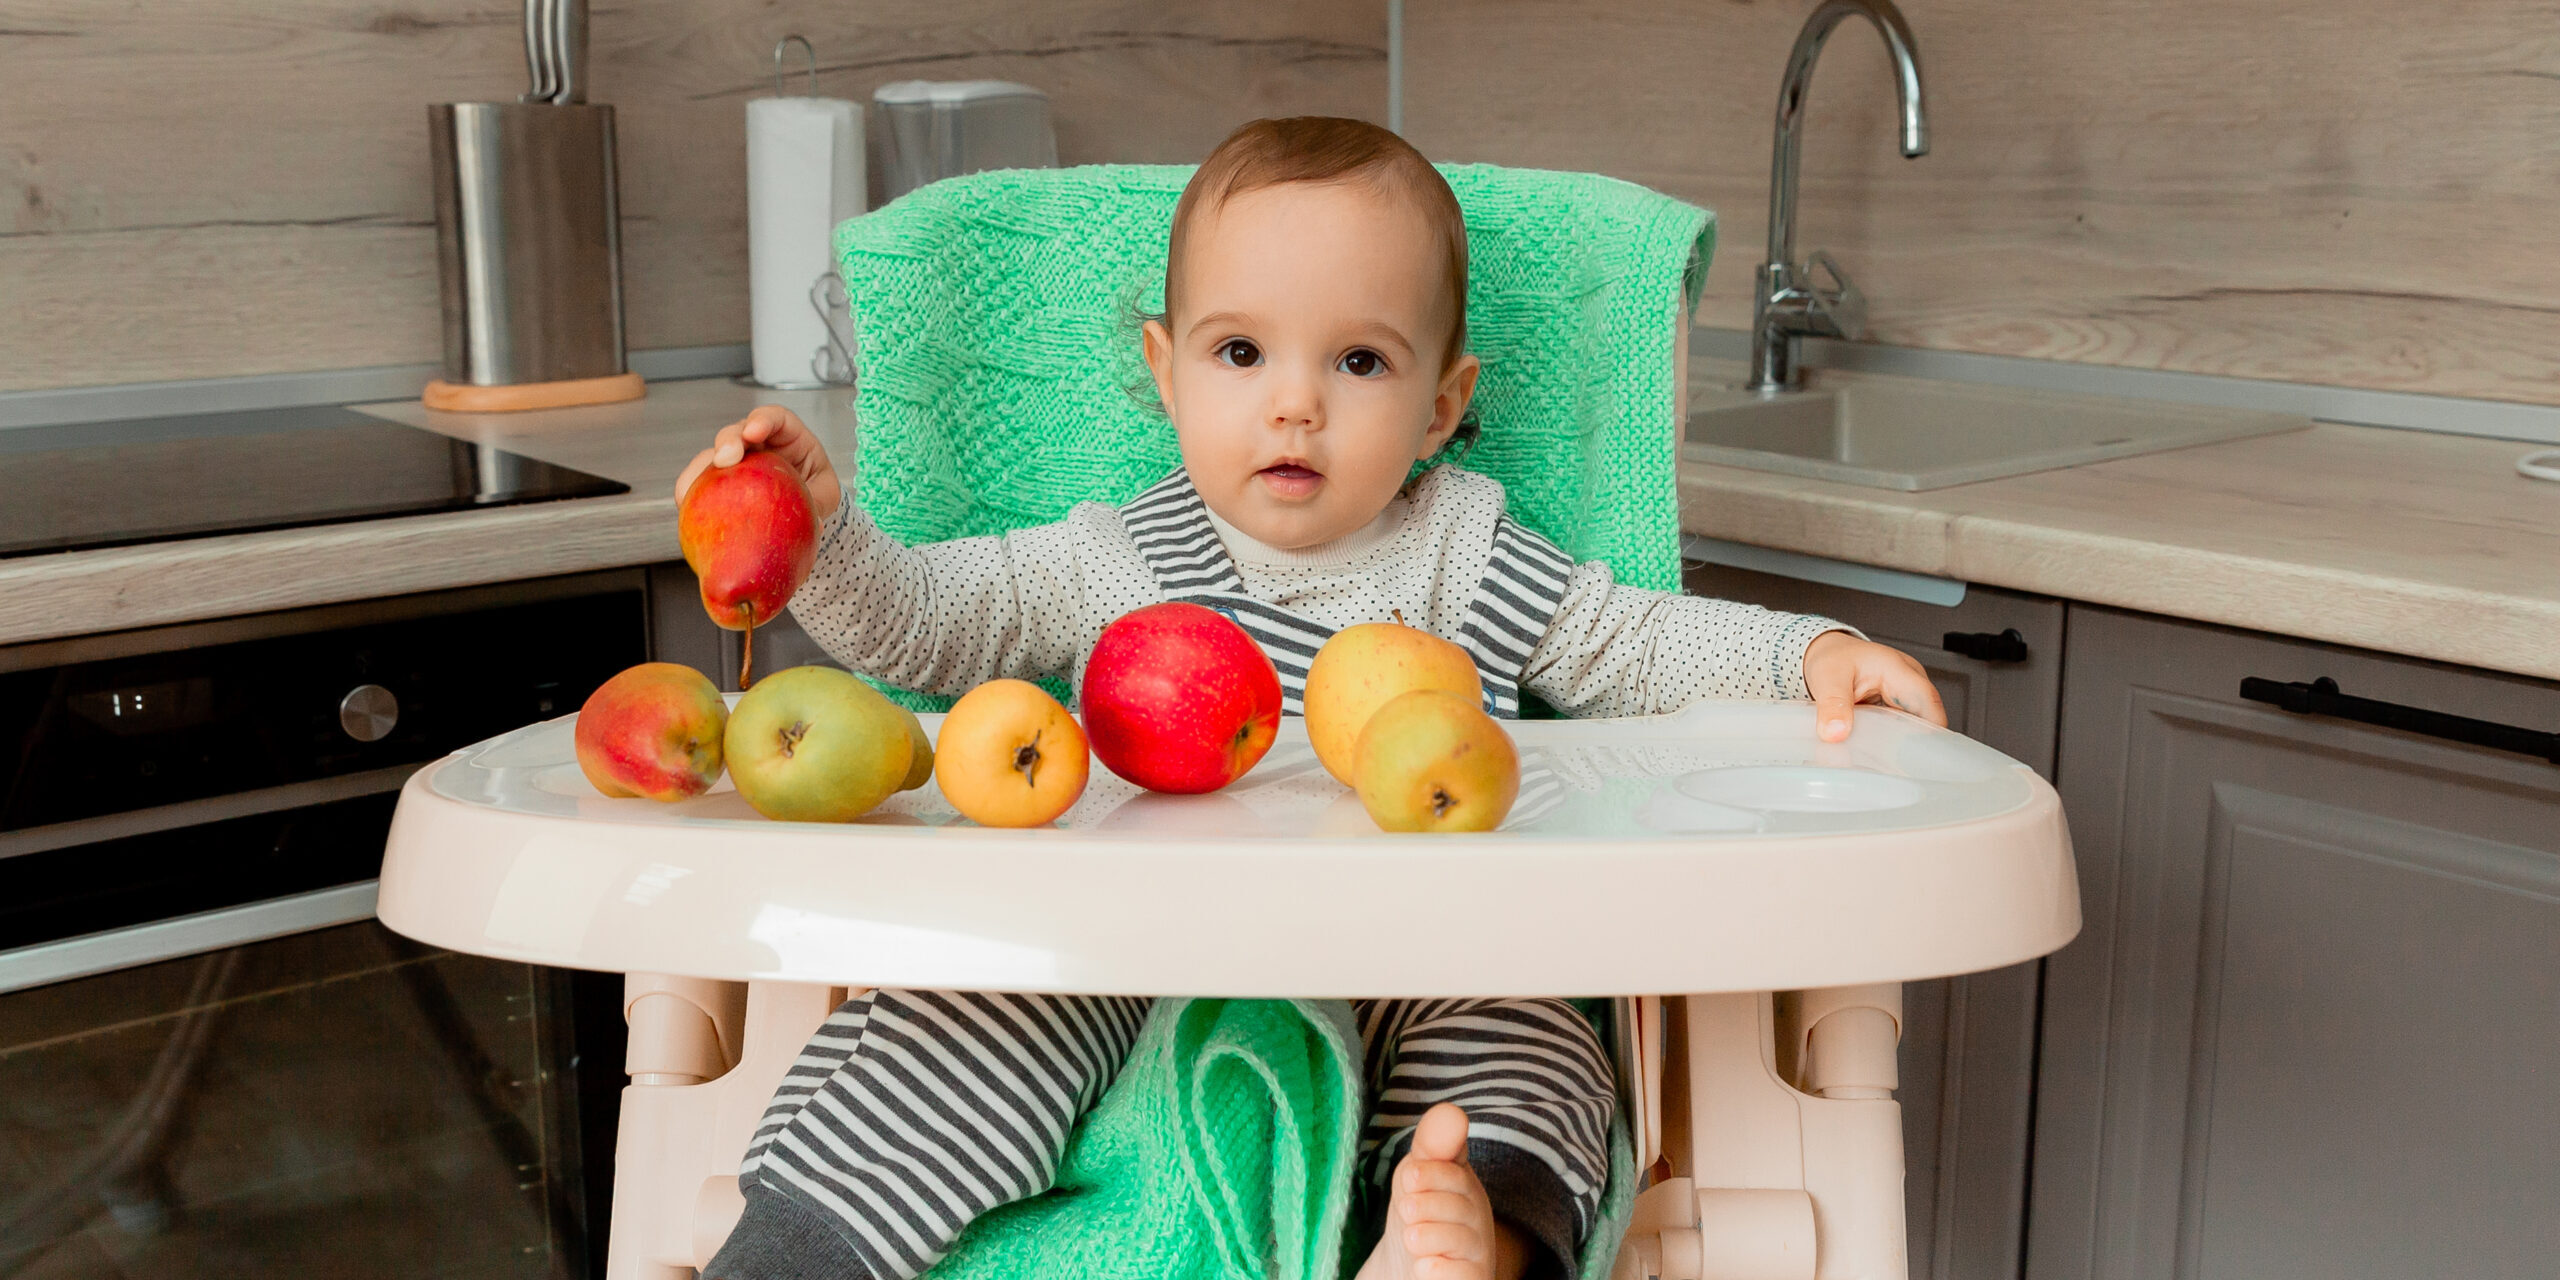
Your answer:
<point x="1312" y="350"/>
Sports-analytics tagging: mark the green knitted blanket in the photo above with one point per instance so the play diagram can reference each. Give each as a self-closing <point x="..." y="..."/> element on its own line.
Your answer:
<point x="1001" y="381"/>
<point x="1225" y="1150"/>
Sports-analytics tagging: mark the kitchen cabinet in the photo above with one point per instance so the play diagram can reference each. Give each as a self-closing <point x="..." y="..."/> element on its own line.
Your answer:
<point x="1968" y="1043"/>
<point x="2311" y="1027"/>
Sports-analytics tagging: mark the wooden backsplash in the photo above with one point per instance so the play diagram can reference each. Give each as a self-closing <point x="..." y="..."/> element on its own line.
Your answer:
<point x="217" y="187"/>
<point x="2355" y="192"/>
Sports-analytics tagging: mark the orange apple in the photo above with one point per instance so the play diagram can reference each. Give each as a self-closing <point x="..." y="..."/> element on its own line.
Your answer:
<point x="654" y="730"/>
<point x="751" y="535"/>
<point x="1010" y="756"/>
<point x="1361" y="668"/>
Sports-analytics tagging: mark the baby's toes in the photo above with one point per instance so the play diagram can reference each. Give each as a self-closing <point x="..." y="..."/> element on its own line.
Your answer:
<point x="1440" y="1266"/>
<point x="1457" y="1240"/>
<point x="1438" y="1206"/>
<point x="1417" y="1174"/>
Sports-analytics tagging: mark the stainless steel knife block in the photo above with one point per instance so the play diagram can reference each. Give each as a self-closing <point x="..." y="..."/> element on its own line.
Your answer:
<point x="528" y="237"/>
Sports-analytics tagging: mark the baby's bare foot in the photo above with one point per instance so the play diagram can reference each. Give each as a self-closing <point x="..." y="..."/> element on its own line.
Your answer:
<point x="1439" y="1221"/>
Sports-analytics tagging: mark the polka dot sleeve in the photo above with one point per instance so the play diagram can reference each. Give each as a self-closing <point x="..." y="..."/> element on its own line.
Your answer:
<point x="1624" y="651"/>
<point x="948" y="616"/>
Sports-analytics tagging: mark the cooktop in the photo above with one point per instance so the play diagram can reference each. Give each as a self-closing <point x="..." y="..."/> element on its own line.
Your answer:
<point x="112" y="484"/>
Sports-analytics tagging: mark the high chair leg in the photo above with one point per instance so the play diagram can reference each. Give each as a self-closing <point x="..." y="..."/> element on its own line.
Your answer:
<point x="1772" y="1181"/>
<point x="704" y="1059"/>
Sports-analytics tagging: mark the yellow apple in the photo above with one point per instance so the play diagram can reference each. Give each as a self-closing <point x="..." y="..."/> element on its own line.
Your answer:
<point x="1361" y="668"/>
<point x="1430" y="760"/>
<point x="1011" y="756"/>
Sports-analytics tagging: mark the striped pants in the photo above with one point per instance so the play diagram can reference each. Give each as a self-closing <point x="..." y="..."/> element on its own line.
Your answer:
<point x="910" y="1113"/>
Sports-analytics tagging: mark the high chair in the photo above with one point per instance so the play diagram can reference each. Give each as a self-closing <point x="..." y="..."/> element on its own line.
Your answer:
<point x="1785" y="886"/>
<point x="1752" y="899"/>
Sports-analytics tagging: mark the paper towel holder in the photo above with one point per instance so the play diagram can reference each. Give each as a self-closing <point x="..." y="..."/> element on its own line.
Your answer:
<point x="829" y="357"/>
<point x="805" y="47"/>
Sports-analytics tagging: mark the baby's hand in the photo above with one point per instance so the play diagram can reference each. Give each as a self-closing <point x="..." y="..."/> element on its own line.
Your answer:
<point x="778" y="431"/>
<point x="1841" y="670"/>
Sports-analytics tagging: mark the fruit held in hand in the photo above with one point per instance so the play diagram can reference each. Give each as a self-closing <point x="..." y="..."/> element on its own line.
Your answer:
<point x="1011" y="756"/>
<point x="1178" y="698"/>
<point x="1361" y="667"/>
<point x="654" y="730"/>
<point x="751" y="536"/>
<point x="1430" y="760"/>
<point x="814" y="744"/>
<point x="920" y="764"/>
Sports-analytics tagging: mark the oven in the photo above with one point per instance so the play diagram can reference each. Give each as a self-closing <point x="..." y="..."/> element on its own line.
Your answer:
<point x="212" y="1061"/>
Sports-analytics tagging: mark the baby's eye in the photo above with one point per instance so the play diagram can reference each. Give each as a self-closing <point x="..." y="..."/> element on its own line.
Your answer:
<point x="1239" y="352"/>
<point x="1361" y="362"/>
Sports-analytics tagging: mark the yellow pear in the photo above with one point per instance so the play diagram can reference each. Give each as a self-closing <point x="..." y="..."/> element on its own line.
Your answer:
<point x="1430" y="760"/>
<point x="1361" y="668"/>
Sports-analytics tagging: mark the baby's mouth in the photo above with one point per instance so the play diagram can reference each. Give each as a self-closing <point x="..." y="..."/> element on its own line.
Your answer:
<point x="1291" y="479"/>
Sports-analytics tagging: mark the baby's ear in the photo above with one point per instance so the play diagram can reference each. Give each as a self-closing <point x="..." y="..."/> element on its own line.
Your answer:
<point x="1156" y="343"/>
<point x="1449" y="404"/>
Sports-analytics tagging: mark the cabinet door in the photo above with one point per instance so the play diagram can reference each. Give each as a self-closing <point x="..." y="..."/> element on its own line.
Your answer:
<point x="1968" y="1043"/>
<point x="2311" y="1025"/>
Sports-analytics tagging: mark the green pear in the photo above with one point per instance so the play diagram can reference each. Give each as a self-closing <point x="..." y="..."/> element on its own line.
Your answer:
<point x="814" y="744"/>
<point x="920" y="766"/>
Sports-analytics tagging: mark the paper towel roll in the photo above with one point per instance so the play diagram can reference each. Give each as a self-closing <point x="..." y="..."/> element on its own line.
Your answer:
<point x="804" y="175"/>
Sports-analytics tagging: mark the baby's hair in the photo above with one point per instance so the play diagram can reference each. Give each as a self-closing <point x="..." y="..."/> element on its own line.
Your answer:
<point x="1267" y="153"/>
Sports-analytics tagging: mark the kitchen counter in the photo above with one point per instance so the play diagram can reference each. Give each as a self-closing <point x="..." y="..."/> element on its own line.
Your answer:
<point x="644" y="444"/>
<point x="2409" y="542"/>
<point x="2406" y="542"/>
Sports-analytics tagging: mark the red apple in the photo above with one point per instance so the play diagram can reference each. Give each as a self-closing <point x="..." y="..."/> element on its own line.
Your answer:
<point x="654" y="730"/>
<point x="1178" y="698"/>
<point x="751" y="536"/>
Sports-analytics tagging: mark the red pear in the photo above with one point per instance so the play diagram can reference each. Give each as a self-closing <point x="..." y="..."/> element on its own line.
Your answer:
<point x="751" y="536"/>
<point x="654" y="730"/>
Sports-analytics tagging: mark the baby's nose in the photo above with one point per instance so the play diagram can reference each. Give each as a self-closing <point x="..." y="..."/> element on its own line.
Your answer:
<point x="1295" y="402"/>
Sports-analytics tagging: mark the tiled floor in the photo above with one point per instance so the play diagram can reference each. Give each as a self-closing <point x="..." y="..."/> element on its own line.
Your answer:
<point x="357" y="1106"/>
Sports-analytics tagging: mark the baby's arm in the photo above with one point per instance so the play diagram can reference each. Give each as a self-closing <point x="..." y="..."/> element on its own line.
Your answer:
<point x="941" y="618"/>
<point x="1615" y="650"/>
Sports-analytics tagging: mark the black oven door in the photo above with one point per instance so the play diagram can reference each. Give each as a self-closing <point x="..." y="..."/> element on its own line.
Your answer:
<point x="212" y="1061"/>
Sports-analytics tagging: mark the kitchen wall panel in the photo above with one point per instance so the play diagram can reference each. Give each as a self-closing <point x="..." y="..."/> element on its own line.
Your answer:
<point x="2355" y="192"/>
<point x="209" y="188"/>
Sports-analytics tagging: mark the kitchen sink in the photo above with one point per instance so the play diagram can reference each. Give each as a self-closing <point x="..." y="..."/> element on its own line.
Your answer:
<point x="1890" y="432"/>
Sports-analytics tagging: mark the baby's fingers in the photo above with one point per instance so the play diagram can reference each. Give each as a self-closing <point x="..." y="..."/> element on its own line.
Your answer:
<point x="1907" y="688"/>
<point x="1831" y="713"/>
<point x="693" y="471"/>
<point x="770" y="426"/>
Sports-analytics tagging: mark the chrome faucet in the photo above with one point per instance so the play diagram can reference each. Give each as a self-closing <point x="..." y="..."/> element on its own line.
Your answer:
<point x="1791" y="303"/>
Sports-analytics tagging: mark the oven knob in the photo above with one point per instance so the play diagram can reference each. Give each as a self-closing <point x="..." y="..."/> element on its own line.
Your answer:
<point x="368" y="712"/>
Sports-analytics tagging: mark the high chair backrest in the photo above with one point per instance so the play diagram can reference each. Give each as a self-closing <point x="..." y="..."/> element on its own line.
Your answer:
<point x="1001" y="380"/>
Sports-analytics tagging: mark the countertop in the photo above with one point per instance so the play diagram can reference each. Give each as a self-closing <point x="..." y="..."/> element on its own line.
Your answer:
<point x="2405" y="542"/>
<point x="643" y="443"/>
<point x="2409" y="542"/>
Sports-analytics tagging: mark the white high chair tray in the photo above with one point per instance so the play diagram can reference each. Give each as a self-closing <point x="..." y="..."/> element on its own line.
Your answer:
<point x="1719" y="849"/>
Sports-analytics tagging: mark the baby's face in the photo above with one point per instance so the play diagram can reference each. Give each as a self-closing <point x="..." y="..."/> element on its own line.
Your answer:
<point x="1304" y="373"/>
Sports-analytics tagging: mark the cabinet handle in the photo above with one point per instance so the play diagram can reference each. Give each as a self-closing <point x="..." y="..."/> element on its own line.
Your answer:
<point x="2321" y="698"/>
<point x="1983" y="646"/>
